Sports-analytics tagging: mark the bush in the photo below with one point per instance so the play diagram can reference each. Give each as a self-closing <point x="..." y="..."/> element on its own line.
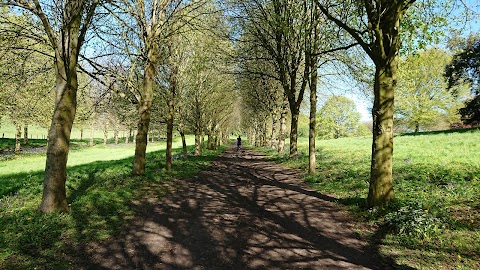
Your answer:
<point x="411" y="220"/>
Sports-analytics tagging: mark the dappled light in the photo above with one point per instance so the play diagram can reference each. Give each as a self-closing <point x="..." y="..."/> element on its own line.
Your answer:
<point x="240" y="213"/>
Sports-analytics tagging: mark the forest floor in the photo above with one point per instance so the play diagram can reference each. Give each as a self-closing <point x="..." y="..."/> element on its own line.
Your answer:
<point x="243" y="212"/>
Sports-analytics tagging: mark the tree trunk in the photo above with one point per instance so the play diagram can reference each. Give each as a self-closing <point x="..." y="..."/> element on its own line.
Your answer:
<point x="129" y="135"/>
<point x="115" y="135"/>
<point x="54" y="190"/>
<point x="197" y="142"/>
<point x="417" y="127"/>
<point x="81" y="134"/>
<point x="25" y="134"/>
<point x="253" y="139"/>
<point x="273" y="137"/>
<point x="144" y="108"/>
<point x="381" y="183"/>
<point x="283" y="129"/>
<point x="184" y="145"/>
<point x="202" y="141"/>
<point x="219" y="139"/>
<point x="313" y="118"/>
<point x="170" y="115"/>
<point x="18" y="136"/>
<point x="105" y="136"/>
<point x="294" y="133"/>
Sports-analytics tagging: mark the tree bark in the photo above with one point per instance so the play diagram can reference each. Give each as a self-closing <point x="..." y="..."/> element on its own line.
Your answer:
<point x="294" y="133"/>
<point x="105" y="136"/>
<point x="54" y="190"/>
<point x="283" y="129"/>
<point x="171" y="115"/>
<point x="144" y="108"/>
<point x="381" y="182"/>
<point x="18" y="136"/>
<point x="115" y="135"/>
<point x="81" y="134"/>
<point x="313" y="118"/>
<point x="129" y="135"/>
<point x="184" y="145"/>
<point x="197" y="142"/>
<point x="273" y="137"/>
<point x="25" y="134"/>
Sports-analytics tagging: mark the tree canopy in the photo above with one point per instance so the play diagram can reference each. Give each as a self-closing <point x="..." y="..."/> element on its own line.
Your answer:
<point x="423" y="99"/>
<point x="465" y="66"/>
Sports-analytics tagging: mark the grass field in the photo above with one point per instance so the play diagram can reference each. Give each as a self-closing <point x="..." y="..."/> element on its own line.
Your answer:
<point x="100" y="192"/>
<point x="7" y="131"/>
<point x="434" y="222"/>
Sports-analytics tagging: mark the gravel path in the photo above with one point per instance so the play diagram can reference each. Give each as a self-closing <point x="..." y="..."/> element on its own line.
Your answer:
<point x="243" y="212"/>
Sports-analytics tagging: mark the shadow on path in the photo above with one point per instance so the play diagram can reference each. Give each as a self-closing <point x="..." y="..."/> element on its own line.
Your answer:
<point x="241" y="213"/>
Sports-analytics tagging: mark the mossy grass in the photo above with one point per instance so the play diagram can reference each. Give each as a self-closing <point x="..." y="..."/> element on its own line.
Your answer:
<point x="434" y="222"/>
<point x="100" y="194"/>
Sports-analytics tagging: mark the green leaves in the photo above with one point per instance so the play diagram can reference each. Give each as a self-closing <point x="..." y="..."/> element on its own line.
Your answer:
<point x="422" y="99"/>
<point x="338" y="118"/>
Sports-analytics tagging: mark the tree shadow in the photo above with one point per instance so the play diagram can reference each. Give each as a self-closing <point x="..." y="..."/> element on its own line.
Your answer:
<point x="241" y="213"/>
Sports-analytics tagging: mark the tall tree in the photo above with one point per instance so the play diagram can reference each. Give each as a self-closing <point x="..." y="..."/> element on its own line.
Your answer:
<point x="65" y="24"/>
<point x="379" y="37"/>
<point x="338" y="118"/>
<point x="465" y="67"/>
<point x="422" y="96"/>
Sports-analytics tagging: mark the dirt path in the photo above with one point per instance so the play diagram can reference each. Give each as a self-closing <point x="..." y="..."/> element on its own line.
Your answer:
<point x="241" y="213"/>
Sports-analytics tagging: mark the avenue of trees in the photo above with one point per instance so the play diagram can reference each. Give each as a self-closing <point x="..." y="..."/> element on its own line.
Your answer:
<point x="209" y="69"/>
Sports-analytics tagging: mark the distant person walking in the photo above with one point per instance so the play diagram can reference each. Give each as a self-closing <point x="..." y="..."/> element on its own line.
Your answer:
<point x="239" y="142"/>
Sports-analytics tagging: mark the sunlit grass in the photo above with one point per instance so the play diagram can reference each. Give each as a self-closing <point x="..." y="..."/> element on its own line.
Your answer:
<point x="437" y="185"/>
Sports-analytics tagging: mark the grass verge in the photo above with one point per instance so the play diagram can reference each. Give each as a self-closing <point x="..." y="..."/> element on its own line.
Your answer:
<point x="434" y="222"/>
<point x="99" y="194"/>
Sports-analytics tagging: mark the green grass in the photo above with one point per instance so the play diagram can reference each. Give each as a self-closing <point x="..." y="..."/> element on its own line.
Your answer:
<point x="7" y="131"/>
<point x="434" y="223"/>
<point x="100" y="192"/>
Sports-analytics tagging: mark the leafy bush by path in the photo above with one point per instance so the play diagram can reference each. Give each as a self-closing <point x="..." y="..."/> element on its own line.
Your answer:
<point x="437" y="186"/>
<point x="100" y="195"/>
